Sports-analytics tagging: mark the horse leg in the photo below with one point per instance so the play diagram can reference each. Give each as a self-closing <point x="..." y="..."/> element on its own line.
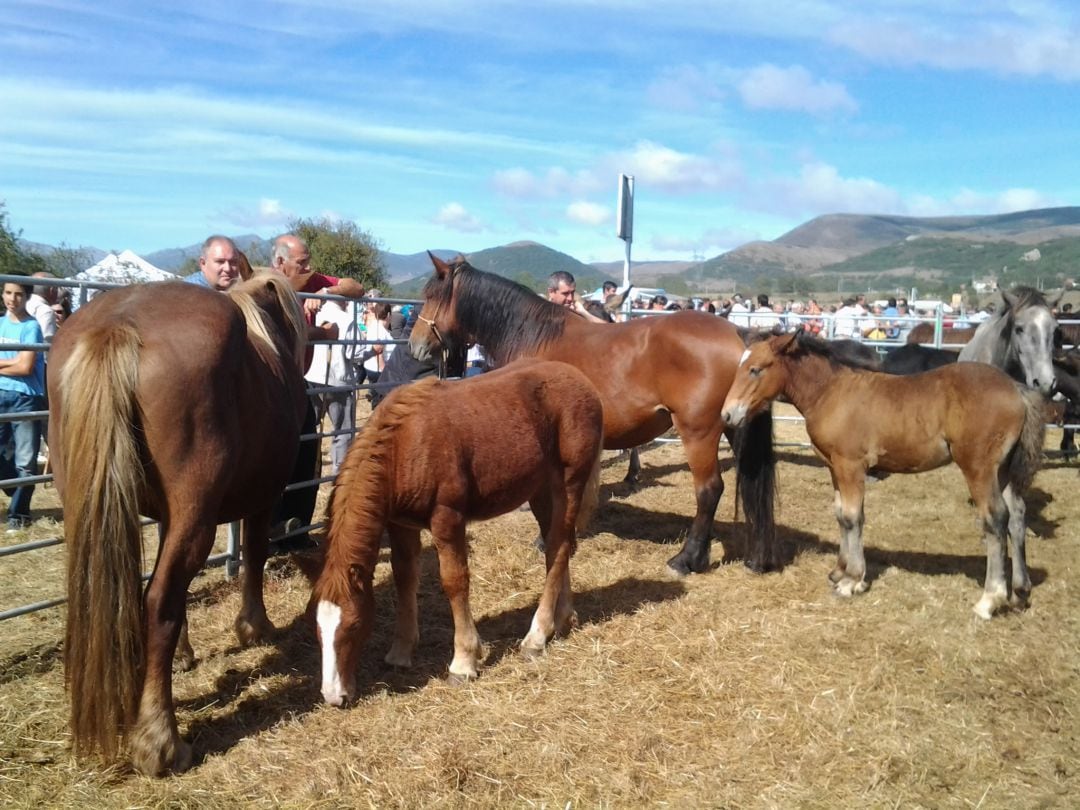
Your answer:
<point x="992" y="509"/>
<point x="184" y="659"/>
<point x="850" y="483"/>
<point x="405" y="562"/>
<point x="540" y="504"/>
<point x="252" y="625"/>
<point x="156" y="746"/>
<point x="708" y="487"/>
<point x="633" y="472"/>
<point x="1068" y="443"/>
<point x="448" y="531"/>
<point x="558" y="542"/>
<point x="1021" y="579"/>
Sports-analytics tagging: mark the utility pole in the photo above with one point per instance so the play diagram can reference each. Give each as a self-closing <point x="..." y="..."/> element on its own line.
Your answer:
<point x="624" y="226"/>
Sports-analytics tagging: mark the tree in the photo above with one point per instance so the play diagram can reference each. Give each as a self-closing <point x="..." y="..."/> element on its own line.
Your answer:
<point x="14" y="261"/>
<point x="342" y="249"/>
<point x="65" y="261"/>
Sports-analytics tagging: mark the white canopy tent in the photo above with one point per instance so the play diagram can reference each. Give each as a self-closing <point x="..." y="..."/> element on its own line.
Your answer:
<point x="124" y="268"/>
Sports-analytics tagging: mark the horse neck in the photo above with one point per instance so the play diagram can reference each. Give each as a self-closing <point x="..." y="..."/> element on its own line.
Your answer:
<point x="524" y="324"/>
<point x="358" y="515"/>
<point x="806" y="381"/>
<point x="989" y="343"/>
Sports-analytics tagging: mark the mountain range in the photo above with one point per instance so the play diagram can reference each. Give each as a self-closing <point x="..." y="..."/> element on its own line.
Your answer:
<point x="830" y="252"/>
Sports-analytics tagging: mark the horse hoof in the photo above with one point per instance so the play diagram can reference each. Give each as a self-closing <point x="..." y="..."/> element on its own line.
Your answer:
<point x="530" y="653"/>
<point x="1020" y="599"/>
<point x="836" y="575"/>
<point x="174" y="758"/>
<point x="458" y="680"/>
<point x="680" y="568"/>
<point x="676" y="572"/>
<point x="184" y="662"/>
<point x="759" y="567"/>
<point x="251" y="633"/>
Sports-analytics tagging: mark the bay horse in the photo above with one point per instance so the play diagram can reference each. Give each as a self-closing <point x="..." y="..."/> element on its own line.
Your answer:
<point x="437" y="455"/>
<point x="860" y="420"/>
<point x="183" y="404"/>
<point x="651" y="373"/>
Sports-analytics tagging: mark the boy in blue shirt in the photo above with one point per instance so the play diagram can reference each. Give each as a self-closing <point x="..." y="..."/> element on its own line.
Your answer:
<point x="22" y="389"/>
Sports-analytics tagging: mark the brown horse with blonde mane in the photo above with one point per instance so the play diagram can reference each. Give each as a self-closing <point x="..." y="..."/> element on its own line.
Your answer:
<point x="437" y="455"/>
<point x="652" y="373"/>
<point x="182" y="404"/>
<point x="860" y="420"/>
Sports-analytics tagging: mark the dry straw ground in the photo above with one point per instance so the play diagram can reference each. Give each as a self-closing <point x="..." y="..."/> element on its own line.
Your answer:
<point x="723" y="690"/>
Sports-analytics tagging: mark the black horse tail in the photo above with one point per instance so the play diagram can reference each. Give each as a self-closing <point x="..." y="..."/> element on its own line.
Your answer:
<point x="755" y="481"/>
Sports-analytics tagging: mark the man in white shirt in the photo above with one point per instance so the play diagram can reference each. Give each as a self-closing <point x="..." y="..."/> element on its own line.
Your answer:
<point x="40" y="306"/>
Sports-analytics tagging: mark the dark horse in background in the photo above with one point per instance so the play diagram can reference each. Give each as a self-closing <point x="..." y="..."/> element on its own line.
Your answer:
<point x="651" y="373"/>
<point x="182" y="404"/>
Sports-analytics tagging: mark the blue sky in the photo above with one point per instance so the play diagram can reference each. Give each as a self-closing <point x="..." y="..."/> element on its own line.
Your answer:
<point x="474" y="123"/>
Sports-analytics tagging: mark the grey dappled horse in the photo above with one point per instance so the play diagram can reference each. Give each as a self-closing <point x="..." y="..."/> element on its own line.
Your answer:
<point x="1019" y="339"/>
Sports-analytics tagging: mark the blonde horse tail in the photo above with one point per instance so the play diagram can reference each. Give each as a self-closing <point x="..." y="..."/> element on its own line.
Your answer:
<point x="103" y="643"/>
<point x="1028" y="453"/>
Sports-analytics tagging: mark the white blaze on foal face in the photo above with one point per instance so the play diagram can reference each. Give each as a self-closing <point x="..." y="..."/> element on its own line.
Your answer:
<point x="329" y="620"/>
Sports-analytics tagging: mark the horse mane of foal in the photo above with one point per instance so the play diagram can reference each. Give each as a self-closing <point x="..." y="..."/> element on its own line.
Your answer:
<point x="360" y="491"/>
<point x="834" y="353"/>
<point x="482" y="302"/>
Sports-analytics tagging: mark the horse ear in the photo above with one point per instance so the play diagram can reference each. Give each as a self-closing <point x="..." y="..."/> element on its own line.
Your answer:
<point x="442" y="269"/>
<point x="1009" y="299"/>
<point x="787" y="343"/>
<point x="615" y="302"/>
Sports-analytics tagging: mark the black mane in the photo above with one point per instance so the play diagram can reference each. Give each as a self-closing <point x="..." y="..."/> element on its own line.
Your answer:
<point x="508" y="319"/>
<point x="847" y="353"/>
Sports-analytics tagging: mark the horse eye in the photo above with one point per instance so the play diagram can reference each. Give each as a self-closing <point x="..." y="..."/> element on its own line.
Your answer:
<point x="1019" y="330"/>
<point x="755" y="371"/>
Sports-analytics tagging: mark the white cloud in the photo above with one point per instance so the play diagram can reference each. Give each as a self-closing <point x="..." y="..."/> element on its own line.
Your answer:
<point x="967" y="201"/>
<point x="676" y="172"/>
<point x="267" y="213"/>
<point x="554" y="182"/>
<point x="819" y="188"/>
<point x="1019" y="42"/>
<point x="587" y="213"/>
<point x="455" y="217"/>
<point x="793" y="88"/>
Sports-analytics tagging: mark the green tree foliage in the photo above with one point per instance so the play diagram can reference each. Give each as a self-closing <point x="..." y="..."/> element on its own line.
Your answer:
<point x="13" y="259"/>
<point x="65" y="261"/>
<point x="342" y="249"/>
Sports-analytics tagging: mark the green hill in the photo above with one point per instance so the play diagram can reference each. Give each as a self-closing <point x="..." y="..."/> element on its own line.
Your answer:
<point x="528" y="263"/>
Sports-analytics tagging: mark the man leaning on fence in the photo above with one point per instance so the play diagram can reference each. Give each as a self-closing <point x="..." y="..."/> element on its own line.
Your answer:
<point x="22" y="389"/>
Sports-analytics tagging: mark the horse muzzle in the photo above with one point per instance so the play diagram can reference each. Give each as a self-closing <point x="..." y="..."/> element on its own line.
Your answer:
<point x="734" y="415"/>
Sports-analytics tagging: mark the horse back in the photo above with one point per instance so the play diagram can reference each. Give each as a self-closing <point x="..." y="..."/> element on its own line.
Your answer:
<point x="649" y="368"/>
<point x="486" y="444"/>
<point x="914" y="423"/>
